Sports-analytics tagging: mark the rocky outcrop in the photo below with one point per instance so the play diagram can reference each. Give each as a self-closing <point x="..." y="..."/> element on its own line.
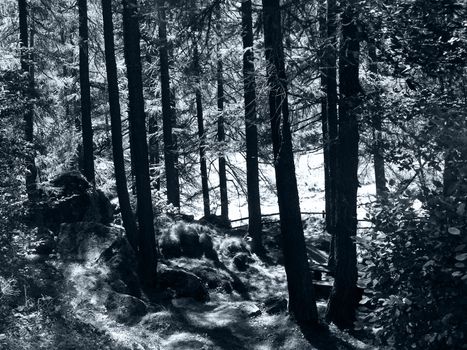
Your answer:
<point x="231" y="246"/>
<point x="216" y="221"/>
<point x="188" y="240"/>
<point x="125" y="308"/>
<point x="183" y="284"/>
<point x="120" y="259"/>
<point x="275" y="305"/>
<point x="242" y="261"/>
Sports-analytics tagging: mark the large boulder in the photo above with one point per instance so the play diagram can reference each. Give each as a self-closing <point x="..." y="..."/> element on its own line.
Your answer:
<point x="188" y="240"/>
<point x="126" y="309"/>
<point x="120" y="259"/>
<point x="275" y="305"/>
<point x="69" y="199"/>
<point x="216" y="221"/>
<point x="182" y="283"/>
<point x="85" y="241"/>
<point x="169" y="245"/>
<point x="231" y="246"/>
<point x="214" y="278"/>
<point x="242" y="261"/>
<point x="207" y="246"/>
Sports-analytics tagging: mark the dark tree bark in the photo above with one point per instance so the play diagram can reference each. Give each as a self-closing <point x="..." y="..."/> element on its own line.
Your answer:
<point x="154" y="158"/>
<point x="302" y="304"/>
<point x="249" y="86"/>
<point x="85" y="88"/>
<point x="146" y="243"/>
<point x="129" y="222"/>
<point x="378" y="151"/>
<point x="202" y="143"/>
<point x="221" y="129"/>
<point x="330" y="124"/>
<point x="173" y="187"/>
<point x="323" y="103"/>
<point x="27" y="66"/>
<point x="343" y="299"/>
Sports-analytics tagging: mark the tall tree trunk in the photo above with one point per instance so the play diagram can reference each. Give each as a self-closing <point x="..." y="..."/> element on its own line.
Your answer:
<point x="129" y="222"/>
<point x="323" y="103"/>
<point x="86" y="122"/>
<point x="27" y="66"/>
<point x="202" y="143"/>
<point x="154" y="158"/>
<point x="330" y="59"/>
<point x="173" y="187"/>
<point x="220" y="126"/>
<point x="343" y="299"/>
<point x="147" y="244"/>
<point x="251" y="132"/>
<point x="302" y="304"/>
<point x="378" y="155"/>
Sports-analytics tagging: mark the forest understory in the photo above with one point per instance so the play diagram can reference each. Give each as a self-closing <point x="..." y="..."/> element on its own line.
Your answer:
<point x="220" y="174"/>
<point x="60" y="301"/>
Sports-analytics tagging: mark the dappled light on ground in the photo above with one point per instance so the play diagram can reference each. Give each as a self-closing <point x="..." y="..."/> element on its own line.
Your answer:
<point x="226" y="321"/>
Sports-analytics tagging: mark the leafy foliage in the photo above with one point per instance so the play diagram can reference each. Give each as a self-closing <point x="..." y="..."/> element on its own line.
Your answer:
<point x="415" y="268"/>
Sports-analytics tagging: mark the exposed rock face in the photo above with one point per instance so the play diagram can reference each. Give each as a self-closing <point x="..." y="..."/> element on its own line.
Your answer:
<point x="250" y="309"/>
<point x="242" y="261"/>
<point x="208" y="248"/>
<point x="275" y="305"/>
<point x="72" y="199"/>
<point x="169" y="245"/>
<point x="184" y="284"/>
<point x="126" y="308"/>
<point x="231" y="246"/>
<point x="121" y="261"/>
<point x="214" y="278"/>
<point x="85" y="241"/>
<point x="189" y="241"/>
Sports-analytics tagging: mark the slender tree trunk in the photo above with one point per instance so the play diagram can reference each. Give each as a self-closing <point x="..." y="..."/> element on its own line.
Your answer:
<point x="330" y="58"/>
<point x="147" y="244"/>
<point x="27" y="66"/>
<point x="301" y="296"/>
<point x="173" y="107"/>
<point x="378" y="155"/>
<point x="86" y="122"/>
<point x="154" y="158"/>
<point x="252" y="173"/>
<point x="220" y="127"/>
<point x="128" y="218"/>
<point x="324" y="117"/>
<point x="221" y="139"/>
<point x="173" y="187"/>
<point x="343" y="299"/>
<point x="202" y="144"/>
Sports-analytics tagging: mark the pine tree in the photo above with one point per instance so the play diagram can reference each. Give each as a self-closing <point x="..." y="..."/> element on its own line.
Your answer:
<point x="147" y="245"/>
<point x="85" y="87"/>
<point x="128" y="218"/>
<point x="202" y="137"/>
<point x="302" y="304"/>
<point x="251" y="132"/>
<point x="173" y="187"/>
<point x="343" y="299"/>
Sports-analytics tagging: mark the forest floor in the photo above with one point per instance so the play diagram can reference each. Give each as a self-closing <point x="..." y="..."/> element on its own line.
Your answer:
<point x="51" y="304"/>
